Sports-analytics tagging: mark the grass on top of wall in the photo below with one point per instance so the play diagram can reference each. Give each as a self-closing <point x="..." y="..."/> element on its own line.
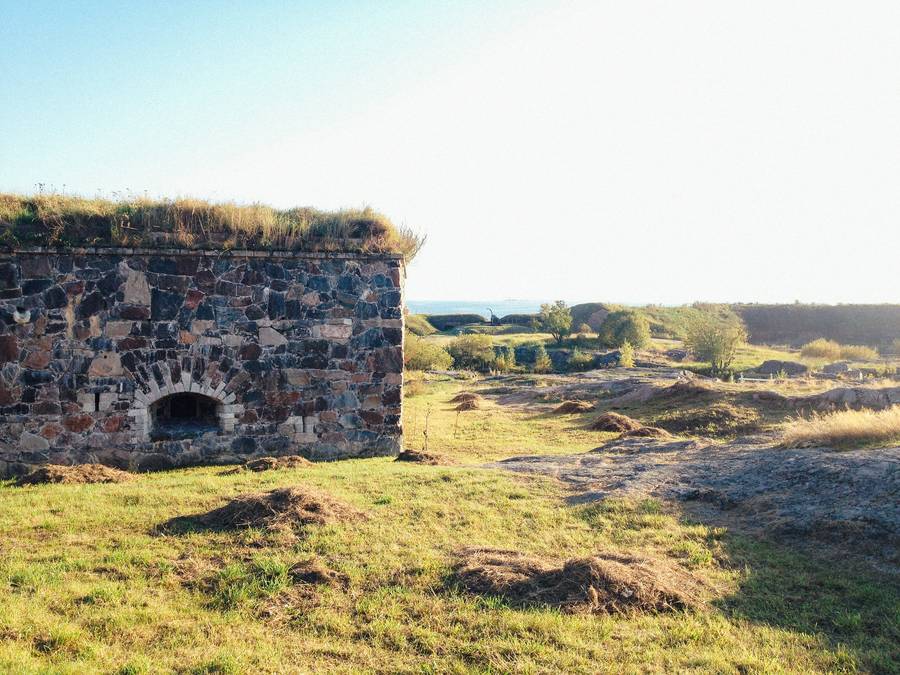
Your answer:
<point x="65" y="220"/>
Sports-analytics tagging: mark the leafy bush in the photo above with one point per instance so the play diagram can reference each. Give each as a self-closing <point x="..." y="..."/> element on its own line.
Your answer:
<point x="420" y="354"/>
<point x="714" y="336"/>
<point x="858" y="353"/>
<point x="542" y="362"/>
<point x="821" y="349"/>
<point x="418" y="324"/>
<point x="625" y="325"/>
<point x="556" y="319"/>
<point x="626" y="355"/>
<point x="472" y="352"/>
<point x="831" y="350"/>
<point x="505" y="359"/>
<point x="579" y="360"/>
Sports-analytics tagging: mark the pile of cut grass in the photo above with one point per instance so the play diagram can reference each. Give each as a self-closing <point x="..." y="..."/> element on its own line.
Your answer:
<point x="844" y="429"/>
<point x="65" y="220"/>
<point x="74" y="475"/>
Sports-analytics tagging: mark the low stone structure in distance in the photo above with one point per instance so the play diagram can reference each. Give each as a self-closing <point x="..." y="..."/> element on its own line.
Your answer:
<point x="149" y="358"/>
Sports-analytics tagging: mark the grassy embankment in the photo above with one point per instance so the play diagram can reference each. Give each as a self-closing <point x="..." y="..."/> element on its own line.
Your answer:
<point x="87" y="585"/>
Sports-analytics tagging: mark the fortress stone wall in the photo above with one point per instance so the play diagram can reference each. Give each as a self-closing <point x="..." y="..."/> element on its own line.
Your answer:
<point x="147" y="359"/>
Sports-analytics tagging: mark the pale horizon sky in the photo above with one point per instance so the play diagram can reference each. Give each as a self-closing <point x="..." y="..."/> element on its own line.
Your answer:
<point x="607" y="151"/>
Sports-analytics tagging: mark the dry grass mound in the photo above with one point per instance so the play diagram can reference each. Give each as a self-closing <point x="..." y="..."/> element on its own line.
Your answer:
<point x="472" y="404"/>
<point x="73" y="475"/>
<point x="846" y="428"/>
<point x="313" y="571"/>
<point x="465" y="397"/>
<point x="268" y="463"/>
<point x="422" y="457"/>
<point x="600" y="584"/>
<point x="291" y="508"/>
<point x="614" y="422"/>
<point x="719" y="419"/>
<point x="647" y="432"/>
<point x="573" y="408"/>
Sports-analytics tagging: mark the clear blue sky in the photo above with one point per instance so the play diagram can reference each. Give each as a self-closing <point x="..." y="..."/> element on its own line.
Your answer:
<point x="644" y="151"/>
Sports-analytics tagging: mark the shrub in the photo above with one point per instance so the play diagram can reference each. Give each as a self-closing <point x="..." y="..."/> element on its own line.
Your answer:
<point x="420" y="354"/>
<point x="831" y="350"/>
<point x="714" y="336"/>
<point x="556" y="319"/>
<point x="625" y="325"/>
<point x="505" y="360"/>
<point x="858" y="353"/>
<point x="418" y="324"/>
<point x="821" y="349"/>
<point x="626" y="355"/>
<point x="542" y="362"/>
<point x="579" y="360"/>
<point x="473" y="352"/>
<point x="844" y="428"/>
<point x="584" y="329"/>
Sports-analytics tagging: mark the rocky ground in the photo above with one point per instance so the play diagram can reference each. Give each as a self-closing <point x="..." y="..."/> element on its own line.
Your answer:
<point x="851" y="498"/>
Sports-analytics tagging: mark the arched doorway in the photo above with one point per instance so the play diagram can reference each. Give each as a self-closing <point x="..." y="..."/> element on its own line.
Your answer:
<point x="184" y="415"/>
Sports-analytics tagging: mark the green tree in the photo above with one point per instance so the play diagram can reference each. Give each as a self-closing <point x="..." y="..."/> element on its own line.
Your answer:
<point x="625" y="325"/>
<point x="556" y="319"/>
<point x="714" y="335"/>
<point x="473" y="352"/>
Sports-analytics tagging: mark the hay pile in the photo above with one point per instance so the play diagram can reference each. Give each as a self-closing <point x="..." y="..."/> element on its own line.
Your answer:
<point x="600" y="584"/>
<point x="286" y="508"/>
<point x="573" y="407"/>
<point x="647" y="432"/>
<point x="72" y="475"/>
<point x="465" y="397"/>
<point x="614" y="422"/>
<point x="267" y="463"/>
<point x="422" y="457"/>
<point x="313" y="571"/>
<point x="468" y="405"/>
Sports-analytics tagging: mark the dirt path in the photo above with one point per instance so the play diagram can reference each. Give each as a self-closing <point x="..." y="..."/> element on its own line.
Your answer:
<point x="846" y="498"/>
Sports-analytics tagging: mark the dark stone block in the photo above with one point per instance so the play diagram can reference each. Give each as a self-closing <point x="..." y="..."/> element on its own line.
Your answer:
<point x="32" y="286"/>
<point x="249" y="352"/>
<point x="134" y="312"/>
<point x="33" y="378"/>
<point x="254" y="313"/>
<point x="276" y="305"/>
<point x="109" y="284"/>
<point x="389" y="299"/>
<point x="366" y="310"/>
<point x="9" y="348"/>
<point x="243" y="445"/>
<point x="91" y="304"/>
<point x="9" y="276"/>
<point x="381" y="281"/>
<point x="163" y="265"/>
<point x="55" y="298"/>
<point x="318" y="361"/>
<point x="318" y="283"/>
<point x="35" y="266"/>
<point x="164" y="305"/>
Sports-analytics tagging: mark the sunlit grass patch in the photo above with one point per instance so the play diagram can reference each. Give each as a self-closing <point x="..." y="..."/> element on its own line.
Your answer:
<point x="844" y="429"/>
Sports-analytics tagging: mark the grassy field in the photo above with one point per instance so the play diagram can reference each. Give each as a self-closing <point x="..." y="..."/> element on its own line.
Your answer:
<point x="88" y="584"/>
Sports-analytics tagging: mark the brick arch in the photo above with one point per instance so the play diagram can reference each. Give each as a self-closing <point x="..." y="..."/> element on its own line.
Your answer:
<point x="143" y="400"/>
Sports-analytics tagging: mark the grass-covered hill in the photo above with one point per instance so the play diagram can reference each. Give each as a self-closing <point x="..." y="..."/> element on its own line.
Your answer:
<point x="65" y="220"/>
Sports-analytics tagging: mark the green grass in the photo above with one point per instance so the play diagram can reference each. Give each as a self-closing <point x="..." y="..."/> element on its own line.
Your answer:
<point x="417" y="324"/>
<point x="65" y="220"/>
<point x="87" y="584"/>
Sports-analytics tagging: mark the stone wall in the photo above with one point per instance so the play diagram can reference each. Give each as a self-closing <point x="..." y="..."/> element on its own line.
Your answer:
<point x="299" y="353"/>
